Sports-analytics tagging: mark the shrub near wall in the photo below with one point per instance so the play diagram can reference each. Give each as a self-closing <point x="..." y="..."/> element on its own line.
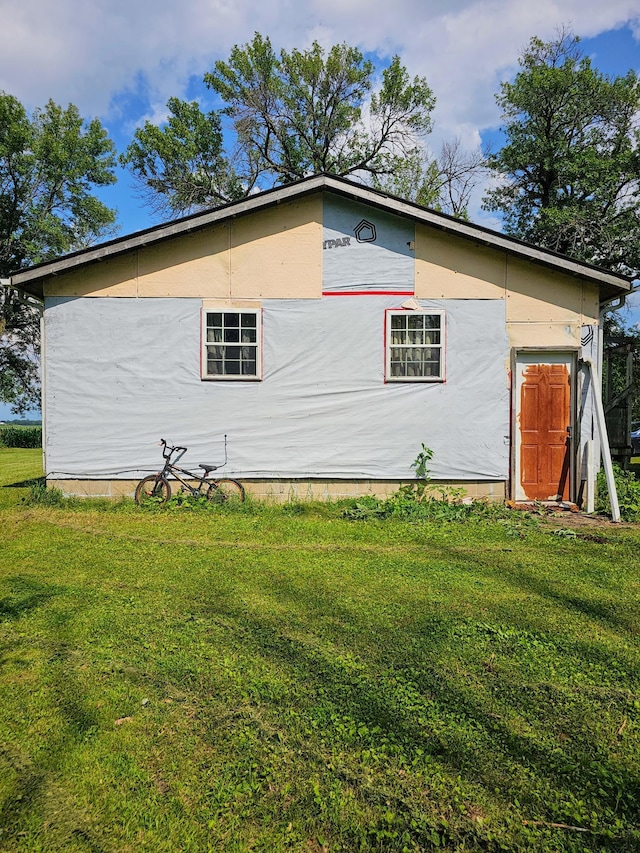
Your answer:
<point x="11" y="436"/>
<point x="628" y="489"/>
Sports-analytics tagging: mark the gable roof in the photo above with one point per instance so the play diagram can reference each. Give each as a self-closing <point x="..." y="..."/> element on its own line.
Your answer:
<point x="31" y="279"/>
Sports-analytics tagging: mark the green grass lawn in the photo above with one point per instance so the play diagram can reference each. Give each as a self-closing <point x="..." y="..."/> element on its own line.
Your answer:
<point x="19" y="468"/>
<point x="288" y="680"/>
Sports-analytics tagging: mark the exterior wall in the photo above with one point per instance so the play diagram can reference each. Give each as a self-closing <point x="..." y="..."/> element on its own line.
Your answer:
<point x="365" y="250"/>
<point x="123" y="367"/>
<point x="113" y="277"/>
<point x="276" y="253"/>
<point x="193" y="265"/>
<point x="543" y="308"/>
<point x="452" y="268"/>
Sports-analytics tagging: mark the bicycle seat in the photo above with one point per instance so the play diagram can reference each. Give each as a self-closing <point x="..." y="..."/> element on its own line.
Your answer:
<point x="208" y="468"/>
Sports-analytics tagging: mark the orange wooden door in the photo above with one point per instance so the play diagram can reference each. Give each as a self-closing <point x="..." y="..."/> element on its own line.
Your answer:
<point x="545" y="445"/>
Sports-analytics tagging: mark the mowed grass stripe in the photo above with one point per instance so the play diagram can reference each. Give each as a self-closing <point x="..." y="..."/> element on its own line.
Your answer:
<point x="264" y="681"/>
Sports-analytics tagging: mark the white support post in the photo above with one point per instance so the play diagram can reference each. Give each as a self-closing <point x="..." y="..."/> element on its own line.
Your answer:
<point x="604" y="441"/>
<point x="591" y="477"/>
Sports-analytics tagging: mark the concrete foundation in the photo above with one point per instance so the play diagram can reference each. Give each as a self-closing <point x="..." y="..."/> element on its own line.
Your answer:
<point x="284" y="491"/>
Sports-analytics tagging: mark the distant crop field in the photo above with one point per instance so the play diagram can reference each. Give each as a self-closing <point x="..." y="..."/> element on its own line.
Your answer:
<point x="286" y="679"/>
<point x="20" y="436"/>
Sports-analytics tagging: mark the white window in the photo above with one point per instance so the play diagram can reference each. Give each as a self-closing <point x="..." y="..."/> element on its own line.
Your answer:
<point x="231" y="344"/>
<point x="415" y="346"/>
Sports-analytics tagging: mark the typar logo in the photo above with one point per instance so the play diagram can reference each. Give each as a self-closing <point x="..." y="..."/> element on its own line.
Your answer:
<point x="365" y="231"/>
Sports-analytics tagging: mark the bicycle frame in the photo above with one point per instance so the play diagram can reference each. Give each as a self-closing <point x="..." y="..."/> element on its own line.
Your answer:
<point x="171" y="469"/>
<point x="176" y="472"/>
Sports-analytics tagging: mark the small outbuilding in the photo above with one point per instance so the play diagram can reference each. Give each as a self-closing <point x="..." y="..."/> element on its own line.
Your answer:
<point x="328" y="331"/>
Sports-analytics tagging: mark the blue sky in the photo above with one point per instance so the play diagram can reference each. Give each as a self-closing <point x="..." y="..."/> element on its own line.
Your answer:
<point x="121" y="60"/>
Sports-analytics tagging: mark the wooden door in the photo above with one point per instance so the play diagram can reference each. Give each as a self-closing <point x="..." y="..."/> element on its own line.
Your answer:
<point x="543" y="426"/>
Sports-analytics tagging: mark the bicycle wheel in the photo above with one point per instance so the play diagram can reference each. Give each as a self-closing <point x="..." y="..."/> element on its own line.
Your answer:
<point x="221" y="491"/>
<point x="152" y="490"/>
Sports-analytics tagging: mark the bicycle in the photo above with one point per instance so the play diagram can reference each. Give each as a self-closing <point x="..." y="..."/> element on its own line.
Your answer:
<point x="156" y="488"/>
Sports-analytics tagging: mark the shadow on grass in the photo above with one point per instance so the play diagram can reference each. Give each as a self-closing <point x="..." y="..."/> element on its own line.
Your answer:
<point x="25" y="484"/>
<point x="26" y="788"/>
<point x="410" y="689"/>
<point x="519" y="577"/>
<point x="25" y="594"/>
<point x="32" y="779"/>
<point x="356" y="677"/>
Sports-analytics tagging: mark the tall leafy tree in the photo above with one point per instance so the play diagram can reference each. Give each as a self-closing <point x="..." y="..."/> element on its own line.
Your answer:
<point x="182" y="165"/>
<point x="570" y="167"/>
<point x="293" y="114"/>
<point x="50" y="164"/>
<point x="303" y="112"/>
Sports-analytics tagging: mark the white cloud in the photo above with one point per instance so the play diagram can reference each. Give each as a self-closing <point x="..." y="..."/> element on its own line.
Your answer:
<point x="122" y="59"/>
<point x="89" y="52"/>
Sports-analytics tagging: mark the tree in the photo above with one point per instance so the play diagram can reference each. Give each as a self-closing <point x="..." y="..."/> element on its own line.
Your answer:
<point x="570" y="167"/>
<point x="49" y="165"/>
<point x="302" y="112"/>
<point x="182" y="166"/>
<point x="293" y="115"/>
<point x="444" y="183"/>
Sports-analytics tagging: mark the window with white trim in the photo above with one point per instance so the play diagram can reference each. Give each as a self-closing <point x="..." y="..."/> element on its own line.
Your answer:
<point x="415" y="346"/>
<point x="231" y="344"/>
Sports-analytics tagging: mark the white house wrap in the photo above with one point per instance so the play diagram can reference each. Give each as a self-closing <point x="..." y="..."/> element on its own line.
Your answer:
<point x="122" y="373"/>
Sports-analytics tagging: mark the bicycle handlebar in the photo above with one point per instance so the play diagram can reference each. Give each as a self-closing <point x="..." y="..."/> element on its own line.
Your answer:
<point x="169" y="449"/>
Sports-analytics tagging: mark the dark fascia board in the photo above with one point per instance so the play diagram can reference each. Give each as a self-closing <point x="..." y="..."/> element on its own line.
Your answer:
<point x="611" y="284"/>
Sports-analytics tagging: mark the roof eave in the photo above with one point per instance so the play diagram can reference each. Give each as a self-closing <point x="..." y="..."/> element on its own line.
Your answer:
<point x="160" y="233"/>
<point x="611" y="285"/>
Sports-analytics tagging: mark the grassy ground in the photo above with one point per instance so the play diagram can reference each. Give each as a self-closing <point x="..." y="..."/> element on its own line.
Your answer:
<point x="288" y="680"/>
<point x="19" y="468"/>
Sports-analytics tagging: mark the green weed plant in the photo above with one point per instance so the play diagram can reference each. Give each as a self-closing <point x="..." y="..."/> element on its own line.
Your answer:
<point x="628" y="490"/>
<point x="420" y="499"/>
<point x="41" y="495"/>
